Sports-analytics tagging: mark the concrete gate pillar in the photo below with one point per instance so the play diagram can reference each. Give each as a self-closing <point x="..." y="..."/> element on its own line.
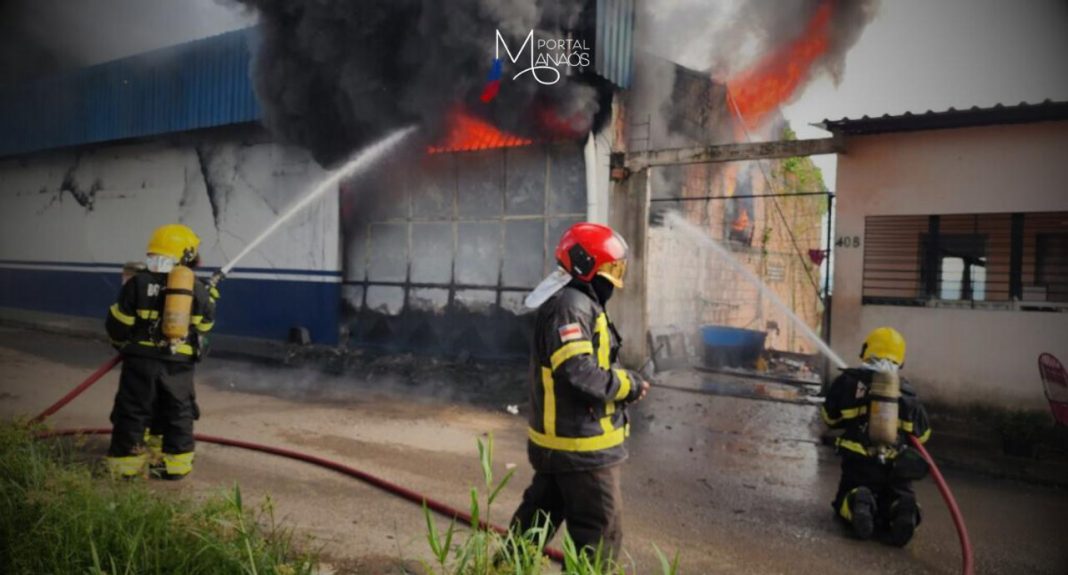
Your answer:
<point x="628" y="214"/>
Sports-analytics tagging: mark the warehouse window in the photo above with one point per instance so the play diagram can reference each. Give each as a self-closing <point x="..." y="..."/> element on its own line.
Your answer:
<point x="992" y="259"/>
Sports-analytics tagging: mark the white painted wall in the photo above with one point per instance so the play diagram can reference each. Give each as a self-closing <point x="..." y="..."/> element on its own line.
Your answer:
<point x="145" y="185"/>
<point x="598" y="155"/>
<point x="957" y="356"/>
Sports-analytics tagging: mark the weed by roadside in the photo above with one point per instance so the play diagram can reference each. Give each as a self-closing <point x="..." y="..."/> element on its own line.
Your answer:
<point x="57" y="517"/>
<point x="469" y="550"/>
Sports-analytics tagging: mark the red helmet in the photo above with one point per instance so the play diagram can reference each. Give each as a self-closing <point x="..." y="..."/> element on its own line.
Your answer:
<point x="586" y="250"/>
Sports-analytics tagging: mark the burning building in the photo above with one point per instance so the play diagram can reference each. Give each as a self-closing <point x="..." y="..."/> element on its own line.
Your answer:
<point x="757" y="209"/>
<point x="433" y="250"/>
<point x="430" y="252"/>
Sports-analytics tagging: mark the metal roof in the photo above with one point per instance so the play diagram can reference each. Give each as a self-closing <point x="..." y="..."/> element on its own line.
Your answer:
<point x="1021" y="113"/>
<point x="199" y="84"/>
<point x="614" y="44"/>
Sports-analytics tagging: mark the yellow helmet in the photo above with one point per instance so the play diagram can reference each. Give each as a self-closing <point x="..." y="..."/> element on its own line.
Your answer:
<point x="174" y="241"/>
<point x="884" y="343"/>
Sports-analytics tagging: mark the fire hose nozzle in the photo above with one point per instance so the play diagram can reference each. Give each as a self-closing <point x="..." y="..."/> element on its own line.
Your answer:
<point x="216" y="277"/>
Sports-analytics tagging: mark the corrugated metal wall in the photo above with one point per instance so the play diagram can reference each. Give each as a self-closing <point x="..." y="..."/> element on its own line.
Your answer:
<point x="439" y="254"/>
<point x="199" y="84"/>
<point x="614" y="49"/>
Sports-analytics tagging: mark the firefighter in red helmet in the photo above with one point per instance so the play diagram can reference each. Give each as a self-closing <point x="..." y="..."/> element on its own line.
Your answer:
<point x="579" y="394"/>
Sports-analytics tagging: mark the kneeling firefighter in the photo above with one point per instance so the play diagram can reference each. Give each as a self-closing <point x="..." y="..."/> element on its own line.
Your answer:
<point x="157" y="324"/>
<point x="579" y="394"/>
<point x="876" y="407"/>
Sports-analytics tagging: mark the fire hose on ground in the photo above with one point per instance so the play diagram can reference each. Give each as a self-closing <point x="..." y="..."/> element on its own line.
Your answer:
<point x="967" y="560"/>
<point x="438" y="507"/>
<point x="432" y="504"/>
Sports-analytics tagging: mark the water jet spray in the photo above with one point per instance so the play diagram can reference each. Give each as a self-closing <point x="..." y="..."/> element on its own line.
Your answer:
<point x="675" y="220"/>
<point x="360" y="161"/>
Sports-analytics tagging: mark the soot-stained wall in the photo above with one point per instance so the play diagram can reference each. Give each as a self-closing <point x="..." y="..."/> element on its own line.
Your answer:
<point x="70" y="219"/>
<point x="440" y="251"/>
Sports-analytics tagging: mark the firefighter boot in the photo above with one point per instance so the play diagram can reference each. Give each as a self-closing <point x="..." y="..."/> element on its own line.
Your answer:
<point x="126" y="467"/>
<point x="904" y="517"/>
<point x="861" y="505"/>
<point x="174" y="467"/>
<point x="154" y="447"/>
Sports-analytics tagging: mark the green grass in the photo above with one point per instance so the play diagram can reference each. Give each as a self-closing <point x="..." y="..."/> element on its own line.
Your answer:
<point x="472" y="551"/>
<point x="57" y="517"/>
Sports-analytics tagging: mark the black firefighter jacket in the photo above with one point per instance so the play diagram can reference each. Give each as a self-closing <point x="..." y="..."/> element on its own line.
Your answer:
<point x="134" y="321"/>
<point x="846" y="407"/>
<point x="579" y="392"/>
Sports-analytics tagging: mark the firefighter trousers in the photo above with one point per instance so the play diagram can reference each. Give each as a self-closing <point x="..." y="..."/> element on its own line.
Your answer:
<point x="591" y="502"/>
<point x="157" y="393"/>
<point x="889" y="491"/>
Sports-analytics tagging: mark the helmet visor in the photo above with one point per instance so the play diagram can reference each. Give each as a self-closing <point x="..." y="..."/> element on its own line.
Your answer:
<point x="614" y="272"/>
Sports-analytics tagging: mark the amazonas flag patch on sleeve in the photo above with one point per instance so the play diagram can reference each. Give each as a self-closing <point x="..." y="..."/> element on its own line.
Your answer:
<point x="570" y="332"/>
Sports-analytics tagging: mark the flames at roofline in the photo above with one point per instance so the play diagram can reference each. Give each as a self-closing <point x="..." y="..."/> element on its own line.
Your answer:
<point x="468" y="133"/>
<point x="773" y="80"/>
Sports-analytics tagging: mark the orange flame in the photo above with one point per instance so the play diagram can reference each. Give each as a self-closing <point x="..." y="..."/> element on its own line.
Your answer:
<point x="771" y="81"/>
<point x="468" y="133"/>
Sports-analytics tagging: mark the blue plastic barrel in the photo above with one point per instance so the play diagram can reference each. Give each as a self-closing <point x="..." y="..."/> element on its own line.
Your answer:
<point x="726" y="346"/>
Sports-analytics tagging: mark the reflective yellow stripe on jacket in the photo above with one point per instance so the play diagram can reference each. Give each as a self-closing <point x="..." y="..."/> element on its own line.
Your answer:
<point x="909" y="427"/>
<point x="569" y="351"/>
<point x="201" y="325"/>
<point x="624" y="384"/>
<point x="853" y="446"/>
<point x="183" y="348"/>
<point x="851" y="413"/>
<point x="600" y="331"/>
<point x="148" y="314"/>
<point x="604" y="361"/>
<point x="121" y="317"/>
<point x="549" y="401"/>
<point x="610" y="437"/>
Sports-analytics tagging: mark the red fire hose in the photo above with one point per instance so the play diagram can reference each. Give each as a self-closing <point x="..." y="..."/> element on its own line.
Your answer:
<point x="392" y="488"/>
<point x="951" y="503"/>
<point x="437" y="506"/>
<point x="96" y="375"/>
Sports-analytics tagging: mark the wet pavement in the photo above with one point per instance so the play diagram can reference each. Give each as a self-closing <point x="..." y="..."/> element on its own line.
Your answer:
<point x="753" y="478"/>
<point x="734" y="485"/>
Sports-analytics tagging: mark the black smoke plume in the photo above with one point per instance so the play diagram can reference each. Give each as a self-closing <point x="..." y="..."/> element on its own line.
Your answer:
<point x="42" y="37"/>
<point x="23" y="53"/>
<point x="333" y="75"/>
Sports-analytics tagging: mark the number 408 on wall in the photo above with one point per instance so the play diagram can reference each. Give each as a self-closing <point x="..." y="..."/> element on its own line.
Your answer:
<point x="847" y="242"/>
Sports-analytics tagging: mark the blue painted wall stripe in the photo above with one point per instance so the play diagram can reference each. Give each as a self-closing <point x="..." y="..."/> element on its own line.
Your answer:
<point x="249" y="307"/>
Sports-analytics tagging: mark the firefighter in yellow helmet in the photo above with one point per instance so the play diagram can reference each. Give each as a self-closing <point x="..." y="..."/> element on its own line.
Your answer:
<point x="156" y="384"/>
<point x="875" y="491"/>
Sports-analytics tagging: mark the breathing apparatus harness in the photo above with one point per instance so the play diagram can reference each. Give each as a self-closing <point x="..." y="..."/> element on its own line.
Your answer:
<point x="170" y="328"/>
